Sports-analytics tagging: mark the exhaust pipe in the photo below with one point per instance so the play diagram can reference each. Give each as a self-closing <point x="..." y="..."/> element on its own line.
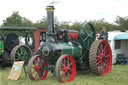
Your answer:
<point x="50" y="17"/>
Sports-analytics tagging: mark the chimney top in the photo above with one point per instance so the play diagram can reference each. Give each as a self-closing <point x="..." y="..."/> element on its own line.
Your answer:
<point x="50" y="8"/>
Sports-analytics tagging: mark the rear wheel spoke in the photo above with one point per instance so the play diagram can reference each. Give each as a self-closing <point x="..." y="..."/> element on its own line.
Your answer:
<point x="98" y="62"/>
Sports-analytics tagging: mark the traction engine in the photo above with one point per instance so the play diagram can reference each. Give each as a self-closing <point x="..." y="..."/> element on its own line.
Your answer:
<point x="65" y="53"/>
<point x="12" y="50"/>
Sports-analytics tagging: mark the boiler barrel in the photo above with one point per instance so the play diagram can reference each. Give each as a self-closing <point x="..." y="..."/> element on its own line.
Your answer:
<point x="52" y="51"/>
<point x="71" y="49"/>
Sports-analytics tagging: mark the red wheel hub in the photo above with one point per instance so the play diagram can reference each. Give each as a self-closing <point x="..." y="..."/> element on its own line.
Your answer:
<point x="101" y="57"/>
<point x="65" y="69"/>
<point x="36" y="71"/>
<point x="37" y="68"/>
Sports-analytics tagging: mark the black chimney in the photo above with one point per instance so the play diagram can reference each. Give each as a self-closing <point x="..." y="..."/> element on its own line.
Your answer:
<point x="50" y="16"/>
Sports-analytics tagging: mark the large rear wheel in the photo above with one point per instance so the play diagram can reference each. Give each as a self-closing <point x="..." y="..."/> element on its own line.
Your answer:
<point x="37" y="68"/>
<point x="65" y="69"/>
<point x="100" y="57"/>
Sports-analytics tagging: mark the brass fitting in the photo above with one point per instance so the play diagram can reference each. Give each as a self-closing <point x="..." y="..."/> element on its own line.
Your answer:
<point x="50" y="8"/>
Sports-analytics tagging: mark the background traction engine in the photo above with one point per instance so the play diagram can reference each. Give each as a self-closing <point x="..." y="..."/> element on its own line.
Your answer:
<point x="11" y="50"/>
<point x="66" y="55"/>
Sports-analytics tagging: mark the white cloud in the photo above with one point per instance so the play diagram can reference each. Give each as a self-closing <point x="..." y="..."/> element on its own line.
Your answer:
<point x="67" y="9"/>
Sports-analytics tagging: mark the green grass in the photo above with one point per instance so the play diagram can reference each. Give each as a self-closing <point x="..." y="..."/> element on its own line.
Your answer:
<point x="118" y="76"/>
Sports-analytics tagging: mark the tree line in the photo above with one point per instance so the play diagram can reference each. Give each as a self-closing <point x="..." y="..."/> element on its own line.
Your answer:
<point x="120" y="23"/>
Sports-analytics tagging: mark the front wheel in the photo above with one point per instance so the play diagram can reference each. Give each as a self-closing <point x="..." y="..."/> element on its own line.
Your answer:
<point x="37" y="68"/>
<point x="65" y="69"/>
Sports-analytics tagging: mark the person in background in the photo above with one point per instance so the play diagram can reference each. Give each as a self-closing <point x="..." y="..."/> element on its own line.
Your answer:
<point x="103" y="34"/>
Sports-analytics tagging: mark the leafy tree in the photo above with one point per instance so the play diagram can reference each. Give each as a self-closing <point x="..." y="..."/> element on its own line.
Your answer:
<point x="122" y="23"/>
<point x="99" y="23"/>
<point x="43" y="23"/>
<point x="76" y="26"/>
<point x="16" y="20"/>
<point x="64" y="25"/>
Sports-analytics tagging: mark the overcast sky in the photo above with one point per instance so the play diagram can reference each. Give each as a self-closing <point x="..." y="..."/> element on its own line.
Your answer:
<point x="66" y="10"/>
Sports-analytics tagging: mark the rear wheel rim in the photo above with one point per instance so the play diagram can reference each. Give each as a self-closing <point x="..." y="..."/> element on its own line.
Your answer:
<point x="100" y="57"/>
<point x="103" y="58"/>
<point x="65" y="69"/>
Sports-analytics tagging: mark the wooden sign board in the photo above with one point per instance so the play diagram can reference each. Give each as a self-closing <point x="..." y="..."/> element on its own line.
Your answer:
<point x="16" y="70"/>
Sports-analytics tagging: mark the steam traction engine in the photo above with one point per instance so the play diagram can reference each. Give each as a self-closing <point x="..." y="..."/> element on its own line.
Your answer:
<point x="64" y="53"/>
<point x="11" y="47"/>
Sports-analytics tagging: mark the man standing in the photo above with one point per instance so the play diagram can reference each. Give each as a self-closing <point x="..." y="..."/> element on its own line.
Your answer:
<point x="103" y="34"/>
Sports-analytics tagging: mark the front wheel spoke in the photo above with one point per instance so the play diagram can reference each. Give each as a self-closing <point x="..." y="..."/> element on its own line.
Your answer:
<point x="60" y="69"/>
<point x="105" y="65"/>
<point x="62" y="74"/>
<point x="38" y="60"/>
<point x="63" y="65"/>
<point x="33" y="71"/>
<point x="34" y="63"/>
<point x="64" y="77"/>
<point x="36" y="75"/>
<point x="70" y="64"/>
<point x="68" y="61"/>
<point x="69" y="74"/>
<point x="68" y="77"/>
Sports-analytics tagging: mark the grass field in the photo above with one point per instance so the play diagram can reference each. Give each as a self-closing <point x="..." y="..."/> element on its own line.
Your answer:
<point x="118" y="76"/>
